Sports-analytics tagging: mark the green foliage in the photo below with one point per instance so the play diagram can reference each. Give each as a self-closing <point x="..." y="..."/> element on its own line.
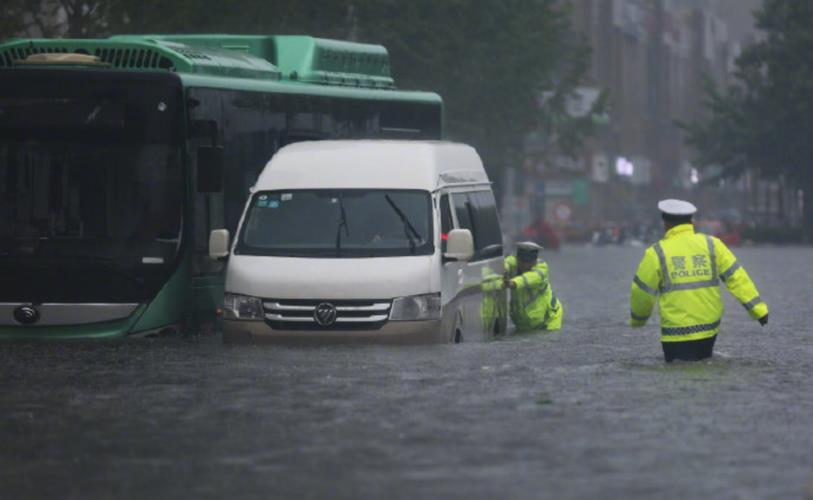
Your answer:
<point x="765" y="120"/>
<point x="16" y="18"/>
<point x="327" y="18"/>
<point x="51" y="18"/>
<point x="489" y="60"/>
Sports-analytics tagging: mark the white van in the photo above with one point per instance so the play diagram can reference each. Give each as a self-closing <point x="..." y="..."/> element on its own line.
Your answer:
<point x="394" y="241"/>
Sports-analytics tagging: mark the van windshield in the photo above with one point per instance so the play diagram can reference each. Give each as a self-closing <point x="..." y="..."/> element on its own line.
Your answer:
<point x="338" y="223"/>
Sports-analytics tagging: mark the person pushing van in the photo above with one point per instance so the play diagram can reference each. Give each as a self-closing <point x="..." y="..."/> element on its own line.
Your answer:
<point x="534" y="306"/>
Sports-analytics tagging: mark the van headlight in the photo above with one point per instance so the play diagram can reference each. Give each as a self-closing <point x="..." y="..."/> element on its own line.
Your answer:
<point x="242" y="307"/>
<point x="416" y="307"/>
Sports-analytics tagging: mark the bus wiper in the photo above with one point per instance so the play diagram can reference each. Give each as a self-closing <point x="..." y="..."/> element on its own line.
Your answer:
<point x="408" y="227"/>
<point x="342" y="224"/>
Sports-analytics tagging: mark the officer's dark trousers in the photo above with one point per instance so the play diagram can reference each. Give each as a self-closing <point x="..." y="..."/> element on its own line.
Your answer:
<point x="693" y="350"/>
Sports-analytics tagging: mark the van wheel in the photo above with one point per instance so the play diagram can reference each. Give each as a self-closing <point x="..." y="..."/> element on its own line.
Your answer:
<point x="458" y="336"/>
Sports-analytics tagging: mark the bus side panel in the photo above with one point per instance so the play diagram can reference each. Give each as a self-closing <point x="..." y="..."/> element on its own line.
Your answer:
<point x="170" y="308"/>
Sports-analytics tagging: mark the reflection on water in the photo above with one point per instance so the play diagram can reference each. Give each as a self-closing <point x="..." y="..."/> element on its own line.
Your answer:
<point x="587" y="412"/>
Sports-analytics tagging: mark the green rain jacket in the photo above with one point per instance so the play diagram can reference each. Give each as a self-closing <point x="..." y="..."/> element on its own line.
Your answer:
<point x="534" y="306"/>
<point x="685" y="269"/>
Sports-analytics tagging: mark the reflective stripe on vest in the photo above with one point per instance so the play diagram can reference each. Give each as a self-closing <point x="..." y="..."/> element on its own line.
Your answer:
<point x="535" y="295"/>
<point x="731" y="270"/>
<point x="667" y="285"/>
<point x="643" y="286"/>
<point x="752" y="303"/>
<point x="688" y="330"/>
<point x="538" y="293"/>
<point x="550" y="309"/>
<point x="638" y="318"/>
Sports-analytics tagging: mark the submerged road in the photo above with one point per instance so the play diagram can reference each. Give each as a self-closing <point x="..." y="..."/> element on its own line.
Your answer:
<point x="588" y="412"/>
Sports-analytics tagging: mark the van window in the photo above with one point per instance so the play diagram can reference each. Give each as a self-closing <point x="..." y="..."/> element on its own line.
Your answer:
<point x="464" y="212"/>
<point x="488" y="239"/>
<point x="338" y="223"/>
<point x="446" y="223"/>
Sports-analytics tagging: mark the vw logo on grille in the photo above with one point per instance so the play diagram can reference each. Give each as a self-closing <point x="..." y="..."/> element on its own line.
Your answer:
<point x="26" y="315"/>
<point x="325" y="314"/>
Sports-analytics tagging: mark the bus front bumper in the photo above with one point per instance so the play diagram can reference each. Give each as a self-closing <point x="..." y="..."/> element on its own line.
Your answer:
<point x="393" y="332"/>
<point x="112" y="330"/>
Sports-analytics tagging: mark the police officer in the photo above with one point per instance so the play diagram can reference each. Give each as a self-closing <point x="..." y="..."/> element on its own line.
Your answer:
<point x="534" y="306"/>
<point x="685" y="269"/>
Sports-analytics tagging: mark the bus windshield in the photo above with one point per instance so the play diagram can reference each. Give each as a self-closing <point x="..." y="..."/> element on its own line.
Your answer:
<point x="338" y="223"/>
<point x="90" y="186"/>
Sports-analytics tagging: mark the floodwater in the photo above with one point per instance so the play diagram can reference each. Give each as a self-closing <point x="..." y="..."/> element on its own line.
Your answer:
<point x="588" y="412"/>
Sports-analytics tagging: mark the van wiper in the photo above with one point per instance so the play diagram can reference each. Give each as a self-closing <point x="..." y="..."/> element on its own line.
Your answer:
<point x="408" y="227"/>
<point x="342" y="224"/>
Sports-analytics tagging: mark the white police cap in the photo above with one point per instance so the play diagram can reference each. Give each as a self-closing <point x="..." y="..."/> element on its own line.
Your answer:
<point x="676" y="207"/>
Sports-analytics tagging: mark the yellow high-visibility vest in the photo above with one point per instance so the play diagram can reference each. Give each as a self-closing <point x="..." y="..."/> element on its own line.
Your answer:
<point x="684" y="269"/>
<point x="534" y="306"/>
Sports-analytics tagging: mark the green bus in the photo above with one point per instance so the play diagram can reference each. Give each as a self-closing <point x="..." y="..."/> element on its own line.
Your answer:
<point x="119" y="156"/>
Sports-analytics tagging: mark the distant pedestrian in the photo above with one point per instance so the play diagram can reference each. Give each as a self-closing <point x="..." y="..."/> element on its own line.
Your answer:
<point x="685" y="269"/>
<point x="534" y="306"/>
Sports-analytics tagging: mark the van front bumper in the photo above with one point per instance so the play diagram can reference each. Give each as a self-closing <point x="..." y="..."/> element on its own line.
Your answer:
<point x="393" y="332"/>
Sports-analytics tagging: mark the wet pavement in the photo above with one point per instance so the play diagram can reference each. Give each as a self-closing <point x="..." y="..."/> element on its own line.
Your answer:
<point x="588" y="412"/>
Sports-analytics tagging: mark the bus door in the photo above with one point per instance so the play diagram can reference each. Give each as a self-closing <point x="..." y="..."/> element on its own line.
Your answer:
<point x="206" y="153"/>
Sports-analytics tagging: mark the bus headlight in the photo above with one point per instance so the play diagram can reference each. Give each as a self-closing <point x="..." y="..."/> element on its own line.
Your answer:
<point x="416" y="307"/>
<point x="242" y="307"/>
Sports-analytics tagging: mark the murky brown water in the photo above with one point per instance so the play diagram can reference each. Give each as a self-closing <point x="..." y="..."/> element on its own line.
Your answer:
<point x="589" y="412"/>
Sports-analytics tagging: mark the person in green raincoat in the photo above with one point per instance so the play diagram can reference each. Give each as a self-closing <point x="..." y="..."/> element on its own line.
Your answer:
<point x="534" y="306"/>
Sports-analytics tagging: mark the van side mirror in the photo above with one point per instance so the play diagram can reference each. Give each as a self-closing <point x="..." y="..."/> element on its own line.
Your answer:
<point x="459" y="245"/>
<point x="219" y="244"/>
<point x="210" y="169"/>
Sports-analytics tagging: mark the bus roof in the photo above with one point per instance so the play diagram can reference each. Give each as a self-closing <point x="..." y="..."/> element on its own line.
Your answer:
<point x="299" y="59"/>
<point x="372" y="164"/>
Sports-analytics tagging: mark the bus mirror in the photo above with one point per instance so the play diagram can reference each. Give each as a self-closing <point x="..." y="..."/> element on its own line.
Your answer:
<point x="219" y="244"/>
<point x="460" y="245"/>
<point x="210" y="169"/>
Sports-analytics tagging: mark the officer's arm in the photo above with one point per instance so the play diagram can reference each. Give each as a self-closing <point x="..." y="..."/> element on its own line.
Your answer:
<point x="510" y="264"/>
<point x="738" y="282"/>
<point x="491" y="283"/>
<point x="535" y="278"/>
<point x="644" y="289"/>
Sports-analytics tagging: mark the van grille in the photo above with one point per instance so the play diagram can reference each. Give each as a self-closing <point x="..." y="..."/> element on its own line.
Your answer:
<point x="287" y="314"/>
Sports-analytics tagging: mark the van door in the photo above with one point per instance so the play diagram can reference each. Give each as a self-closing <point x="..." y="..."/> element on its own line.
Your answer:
<point x="451" y="274"/>
<point x="478" y="301"/>
<point x="488" y="244"/>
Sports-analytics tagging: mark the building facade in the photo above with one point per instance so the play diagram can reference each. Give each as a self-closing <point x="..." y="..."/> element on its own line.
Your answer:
<point x="653" y="58"/>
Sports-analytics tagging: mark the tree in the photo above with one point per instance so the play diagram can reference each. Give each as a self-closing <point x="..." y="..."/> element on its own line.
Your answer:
<point x="52" y="18"/>
<point x="765" y="120"/>
<point x="491" y="61"/>
<point x="27" y="18"/>
<point x="326" y="18"/>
